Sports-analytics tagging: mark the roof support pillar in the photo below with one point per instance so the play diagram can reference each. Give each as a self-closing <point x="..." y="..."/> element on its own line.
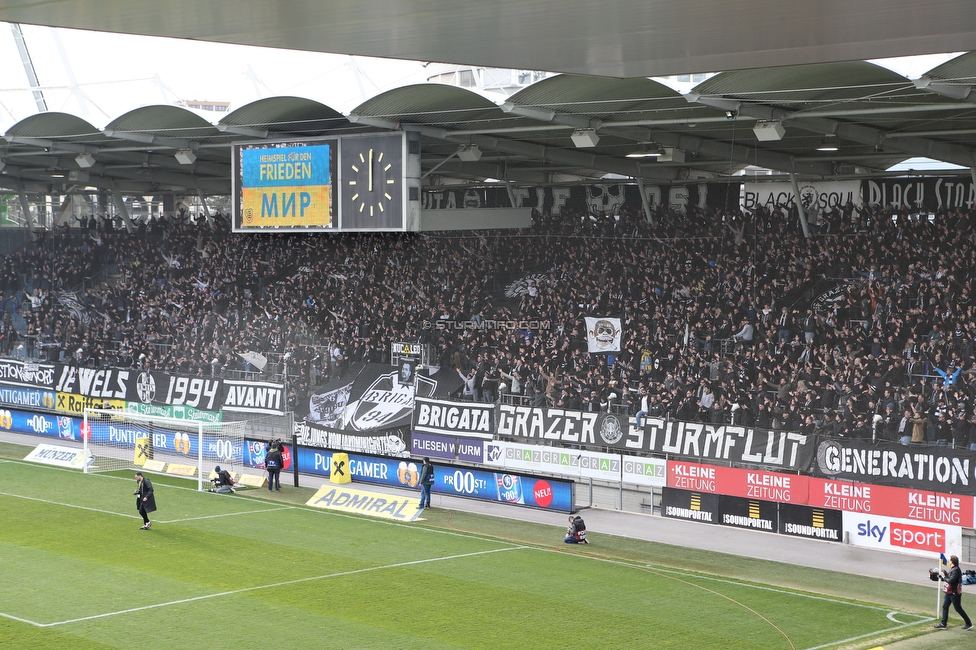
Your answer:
<point x="25" y="208"/>
<point x="65" y="213"/>
<point x="123" y="211"/>
<point x="648" y="214"/>
<point x="799" y="206"/>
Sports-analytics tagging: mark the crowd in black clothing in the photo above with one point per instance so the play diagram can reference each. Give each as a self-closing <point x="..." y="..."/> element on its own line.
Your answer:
<point x="719" y="317"/>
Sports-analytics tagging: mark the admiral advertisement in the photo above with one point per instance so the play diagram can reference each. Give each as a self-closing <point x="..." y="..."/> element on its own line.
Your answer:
<point x="515" y="489"/>
<point x="726" y="443"/>
<point x="459" y="418"/>
<point x="812" y="523"/>
<point x="934" y="468"/>
<point x="576" y="463"/>
<point x="376" y="398"/>
<point x="901" y="535"/>
<point x="383" y="443"/>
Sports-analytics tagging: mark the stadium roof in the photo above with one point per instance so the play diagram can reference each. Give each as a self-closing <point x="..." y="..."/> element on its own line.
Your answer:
<point x="562" y="129"/>
<point x="619" y="38"/>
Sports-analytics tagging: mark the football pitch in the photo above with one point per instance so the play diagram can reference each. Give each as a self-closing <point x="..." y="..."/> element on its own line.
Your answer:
<point x="255" y="570"/>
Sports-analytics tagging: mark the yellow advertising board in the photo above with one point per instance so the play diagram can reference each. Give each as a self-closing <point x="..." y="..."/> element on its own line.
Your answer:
<point x="363" y="502"/>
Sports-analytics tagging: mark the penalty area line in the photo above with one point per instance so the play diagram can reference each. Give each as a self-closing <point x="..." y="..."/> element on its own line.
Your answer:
<point x="226" y="514"/>
<point x="284" y="583"/>
<point x="69" y="505"/>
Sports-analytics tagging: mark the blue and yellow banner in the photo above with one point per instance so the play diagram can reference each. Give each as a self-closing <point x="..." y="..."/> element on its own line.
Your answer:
<point x="286" y="186"/>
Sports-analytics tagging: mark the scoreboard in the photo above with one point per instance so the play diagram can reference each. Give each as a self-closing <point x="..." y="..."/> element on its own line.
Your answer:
<point x="347" y="183"/>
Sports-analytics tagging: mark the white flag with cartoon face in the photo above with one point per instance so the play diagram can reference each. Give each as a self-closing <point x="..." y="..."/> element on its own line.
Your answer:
<point x="602" y="334"/>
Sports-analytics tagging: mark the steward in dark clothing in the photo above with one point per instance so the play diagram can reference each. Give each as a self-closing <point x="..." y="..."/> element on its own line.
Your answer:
<point x="145" y="500"/>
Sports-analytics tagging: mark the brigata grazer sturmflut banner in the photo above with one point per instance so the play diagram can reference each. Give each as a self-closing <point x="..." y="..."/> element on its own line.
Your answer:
<point x="939" y="469"/>
<point x="692" y="440"/>
<point x="469" y="419"/>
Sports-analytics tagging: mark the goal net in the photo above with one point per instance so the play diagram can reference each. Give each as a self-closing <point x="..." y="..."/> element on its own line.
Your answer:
<point x="120" y="440"/>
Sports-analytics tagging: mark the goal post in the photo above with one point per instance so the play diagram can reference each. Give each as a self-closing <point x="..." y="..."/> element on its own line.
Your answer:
<point x="122" y="440"/>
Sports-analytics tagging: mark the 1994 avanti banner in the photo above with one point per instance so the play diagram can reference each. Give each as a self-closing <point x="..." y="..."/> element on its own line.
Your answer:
<point x="780" y="449"/>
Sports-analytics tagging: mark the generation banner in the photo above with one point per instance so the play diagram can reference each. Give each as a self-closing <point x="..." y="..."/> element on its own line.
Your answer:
<point x="935" y="468"/>
<point x="391" y="442"/>
<point x="724" y="443"/>
<point x="469" y="419"/>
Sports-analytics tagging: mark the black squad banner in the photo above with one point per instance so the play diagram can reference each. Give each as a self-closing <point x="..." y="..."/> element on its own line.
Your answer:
<point x="470" y="419"/>
<point x="380" y="443"/>
<point x="928" y="194"/>
<point x="813" y="523"/>
<point x="598" y="199"/>
<point x="162" y="389"/>
<point x="939" y="469"/>
<point x="687" y="440"/>
<point x="375" y="397"/>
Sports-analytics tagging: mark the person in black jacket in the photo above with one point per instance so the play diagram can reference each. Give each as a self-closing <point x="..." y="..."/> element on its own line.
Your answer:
<point x="273" y="462"/>
<point x="953" y="594"/>
<point x="145" y="500"/>
<point x="426" y="482"/>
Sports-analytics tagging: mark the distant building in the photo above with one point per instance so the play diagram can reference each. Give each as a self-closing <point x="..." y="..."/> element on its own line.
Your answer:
<point x="204" y="105"/>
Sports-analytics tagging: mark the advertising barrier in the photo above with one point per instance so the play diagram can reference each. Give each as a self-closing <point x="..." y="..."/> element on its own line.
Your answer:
<point x="919" y="505"/>
<point x="549" y="493"/>
<point x="901" y="535"/>
<point x="748" y="513"/>
<point x="576" y="463"/>
<point x="471" y="450"/>
<point x="689" y="505"/>
<point x="813" y="523"/>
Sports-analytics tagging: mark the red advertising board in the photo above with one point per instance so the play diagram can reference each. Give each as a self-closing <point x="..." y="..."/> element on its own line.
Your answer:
<point x="902" y="503"/>
<point x="731" y="481"/>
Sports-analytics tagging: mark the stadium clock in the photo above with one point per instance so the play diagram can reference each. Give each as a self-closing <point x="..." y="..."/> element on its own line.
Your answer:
<point x="371" y="169"/>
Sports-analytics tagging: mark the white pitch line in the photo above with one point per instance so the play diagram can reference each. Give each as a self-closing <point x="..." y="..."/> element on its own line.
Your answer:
<point x="227" y="514"/>
<point x="871" y="634"/>
<point x="69" y="505"/>
<point x="269" y="586"/>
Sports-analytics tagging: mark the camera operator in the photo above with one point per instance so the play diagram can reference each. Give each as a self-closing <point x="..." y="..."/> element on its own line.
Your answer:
<point x="952" y="588"/>
<point x="273" y="462"/>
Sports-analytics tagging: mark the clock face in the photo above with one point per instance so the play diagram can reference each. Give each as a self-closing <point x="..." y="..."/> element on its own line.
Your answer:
<point x="372" y="182"/>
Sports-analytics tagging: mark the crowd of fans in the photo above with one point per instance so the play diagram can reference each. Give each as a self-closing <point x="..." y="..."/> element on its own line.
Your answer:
<point x="864" y="329"/>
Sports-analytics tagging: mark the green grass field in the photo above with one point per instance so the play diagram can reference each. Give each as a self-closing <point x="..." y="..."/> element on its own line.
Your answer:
<point x="260" y="570"/>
